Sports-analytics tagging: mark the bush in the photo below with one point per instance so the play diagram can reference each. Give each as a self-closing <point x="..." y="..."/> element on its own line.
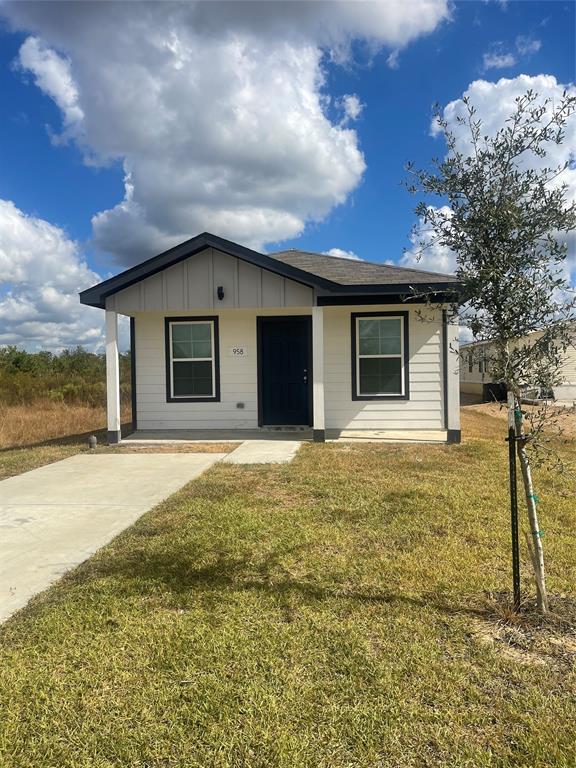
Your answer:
<point x="74" y="377"/>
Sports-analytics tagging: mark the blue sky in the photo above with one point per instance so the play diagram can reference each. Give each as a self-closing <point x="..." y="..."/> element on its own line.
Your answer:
<point x="65" y="182"/>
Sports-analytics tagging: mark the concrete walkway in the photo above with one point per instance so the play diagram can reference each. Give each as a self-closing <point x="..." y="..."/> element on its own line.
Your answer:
<point x="54" y="517"/>
<point x="263" y="452"/>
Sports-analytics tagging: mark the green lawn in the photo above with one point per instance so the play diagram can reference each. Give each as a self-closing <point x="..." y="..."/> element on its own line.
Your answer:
<point x="343" y="611"/>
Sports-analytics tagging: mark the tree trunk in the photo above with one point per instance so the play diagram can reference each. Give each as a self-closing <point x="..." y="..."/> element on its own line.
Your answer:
<point x="538" y="551"/>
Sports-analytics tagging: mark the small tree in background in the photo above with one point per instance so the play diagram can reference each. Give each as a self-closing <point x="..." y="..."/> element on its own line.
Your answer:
<point x="506" y="218"/>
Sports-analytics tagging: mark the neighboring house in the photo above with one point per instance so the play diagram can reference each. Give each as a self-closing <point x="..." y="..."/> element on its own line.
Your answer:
<point x="226" y="338"/>
<point x="476" y="379"/>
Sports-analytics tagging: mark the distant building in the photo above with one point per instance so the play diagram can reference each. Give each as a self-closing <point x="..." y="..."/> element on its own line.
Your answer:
<point x="476" y="378"/>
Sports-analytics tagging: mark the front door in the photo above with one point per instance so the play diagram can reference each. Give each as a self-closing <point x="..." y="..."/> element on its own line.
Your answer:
<point x="284" y="370"/>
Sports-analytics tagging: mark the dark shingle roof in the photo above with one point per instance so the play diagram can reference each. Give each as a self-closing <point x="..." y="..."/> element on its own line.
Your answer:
<point x="344" y="271"/>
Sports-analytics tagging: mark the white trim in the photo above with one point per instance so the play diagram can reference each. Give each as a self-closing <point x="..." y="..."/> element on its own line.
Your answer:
<point x="112" y="372"/>
<point x="397" y="356"/>
<point x="318" y="420"/>
<point x="211" y="359"/>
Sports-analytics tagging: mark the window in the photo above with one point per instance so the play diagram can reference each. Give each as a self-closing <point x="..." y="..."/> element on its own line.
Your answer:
<point x="470" y="362"/>
<point x="192" y="371"/>
<point x="481" y="362"/>
<point x="380" y="356"/>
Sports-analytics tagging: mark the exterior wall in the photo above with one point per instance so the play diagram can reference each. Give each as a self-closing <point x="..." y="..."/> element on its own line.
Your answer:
<point x="567" y="389"/>
<point x="471" y="388"/>
<point x="424" y="409"/>
<point x="472" y="381"/>
<point x="192" y="284"/>
<point x="238" y="377"/>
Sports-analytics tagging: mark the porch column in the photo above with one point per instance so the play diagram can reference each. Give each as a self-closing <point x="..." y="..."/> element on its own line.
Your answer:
<point x="112" y="377"/>
<point x="451" y="378"/>
<point x="319" y="429"/>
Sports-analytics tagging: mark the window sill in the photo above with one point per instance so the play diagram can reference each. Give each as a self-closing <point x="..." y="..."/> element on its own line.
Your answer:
<point x="380" y="397"/>
<point x="192" y="399"/>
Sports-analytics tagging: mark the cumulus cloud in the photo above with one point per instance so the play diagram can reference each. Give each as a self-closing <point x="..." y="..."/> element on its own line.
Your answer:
<point x="425" y="253"/>
<point x="217" y="110"/>
<point x="42" y="271"/>
<point x="494" y="103"/>
<point x="341" y="254"/>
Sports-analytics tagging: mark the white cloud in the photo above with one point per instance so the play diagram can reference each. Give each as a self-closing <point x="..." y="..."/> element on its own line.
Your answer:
<point x="496" y="60"/>
<point x="393" y="60"/>
<point x="352" y="107"/>
<point x="526" y="46"/>
<point x="494" y="103"/>
<point x="427" y="254"/>
<point x="52" y="74"/>
<point x="217" y="110"/>
<point x="42" y="271"/>
<point x="341" y="254"/>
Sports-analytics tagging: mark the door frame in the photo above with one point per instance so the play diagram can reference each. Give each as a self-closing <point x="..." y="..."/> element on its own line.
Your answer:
<point x="307" y="321"/>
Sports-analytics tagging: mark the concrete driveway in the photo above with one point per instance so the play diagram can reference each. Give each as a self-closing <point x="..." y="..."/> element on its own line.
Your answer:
<point x="54" y="517"/>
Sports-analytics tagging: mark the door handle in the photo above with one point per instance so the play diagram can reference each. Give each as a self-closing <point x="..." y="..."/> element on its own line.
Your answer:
<point x="305" y="378"/>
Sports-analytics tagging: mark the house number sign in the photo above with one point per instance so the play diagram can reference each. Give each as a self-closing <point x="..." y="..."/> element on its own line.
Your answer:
<point x="238" y="351"/>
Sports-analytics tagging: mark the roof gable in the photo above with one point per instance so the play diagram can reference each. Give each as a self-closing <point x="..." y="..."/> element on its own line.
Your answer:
<point x="326" y="274"/>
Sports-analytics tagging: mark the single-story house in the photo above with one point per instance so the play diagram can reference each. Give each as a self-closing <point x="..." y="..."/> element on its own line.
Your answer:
<point x="226" y="338"/>
<point x="476" y="377"/>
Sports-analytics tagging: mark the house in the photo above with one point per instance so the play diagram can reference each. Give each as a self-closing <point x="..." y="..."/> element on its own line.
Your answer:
<point x="476" y="378"/>
<point x="226" y="338"/>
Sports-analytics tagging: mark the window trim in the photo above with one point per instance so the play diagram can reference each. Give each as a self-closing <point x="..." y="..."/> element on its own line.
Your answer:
<point x="170" y="398"/>
<point x="404" y="355"/>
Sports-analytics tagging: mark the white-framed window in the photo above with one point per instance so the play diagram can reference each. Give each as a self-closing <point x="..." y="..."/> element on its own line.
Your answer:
<point x="380" y="356"/>
<point x="470" y="362"/>
<point x="192" y="359"/>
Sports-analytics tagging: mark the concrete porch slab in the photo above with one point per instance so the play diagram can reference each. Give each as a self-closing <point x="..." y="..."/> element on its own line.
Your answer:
<point x="388" y="435"/>
<point x="175" y="436"/>
<point x="299" y="434"/>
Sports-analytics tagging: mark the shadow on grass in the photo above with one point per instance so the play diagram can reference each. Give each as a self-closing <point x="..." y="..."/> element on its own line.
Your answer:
<point x="143" y="574"/>
<point x="67" y="440"/>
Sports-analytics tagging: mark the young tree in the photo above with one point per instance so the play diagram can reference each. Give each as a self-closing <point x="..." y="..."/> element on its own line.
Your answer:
<point x="505" y="216"/>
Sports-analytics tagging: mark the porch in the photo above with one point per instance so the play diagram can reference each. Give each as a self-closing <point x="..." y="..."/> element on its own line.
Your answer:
<point x="179" y="436"/>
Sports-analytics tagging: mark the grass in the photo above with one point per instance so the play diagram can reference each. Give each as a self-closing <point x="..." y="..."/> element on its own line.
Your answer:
<point x="24" y="425"/>
<point x="34" y="435"/>
<point x="346" y="611"/>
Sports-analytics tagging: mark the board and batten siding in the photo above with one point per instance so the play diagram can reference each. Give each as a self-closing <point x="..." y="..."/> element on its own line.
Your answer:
<point x="238" y="376"/>
<point x="424" y="409"/>
<point x="193" y="284"/>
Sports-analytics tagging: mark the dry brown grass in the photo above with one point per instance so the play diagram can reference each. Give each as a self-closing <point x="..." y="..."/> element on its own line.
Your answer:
<point x="175" y="448"/>
<point x="22" y="425"/>
<point x="488" y="420"/>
